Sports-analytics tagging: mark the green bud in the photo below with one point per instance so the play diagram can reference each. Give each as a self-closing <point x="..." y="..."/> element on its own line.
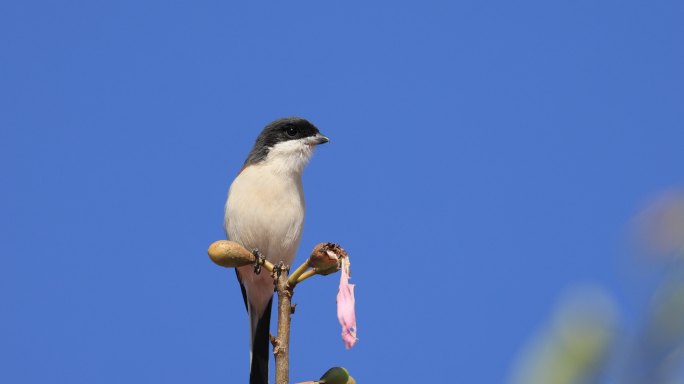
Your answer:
<point x="336" y="375"/>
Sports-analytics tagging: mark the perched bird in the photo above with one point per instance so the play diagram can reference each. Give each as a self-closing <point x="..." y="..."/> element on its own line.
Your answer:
<point x="265" y="211"/>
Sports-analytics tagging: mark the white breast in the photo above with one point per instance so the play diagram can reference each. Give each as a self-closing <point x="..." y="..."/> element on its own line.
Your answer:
<point x="265" y="210"/>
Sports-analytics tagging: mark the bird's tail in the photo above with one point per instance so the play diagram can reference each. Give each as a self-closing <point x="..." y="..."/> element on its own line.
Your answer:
<point x="258" y="372"/>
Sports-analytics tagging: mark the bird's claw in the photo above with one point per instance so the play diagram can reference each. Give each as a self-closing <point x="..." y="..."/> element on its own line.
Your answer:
<point x="259" y="260"/>
<point x="277" y="271"/>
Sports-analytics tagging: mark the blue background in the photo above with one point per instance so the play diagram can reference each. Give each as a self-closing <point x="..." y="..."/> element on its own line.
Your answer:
<point x="485" y="155"/>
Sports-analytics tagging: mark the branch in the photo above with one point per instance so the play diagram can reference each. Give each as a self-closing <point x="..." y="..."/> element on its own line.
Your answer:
<point x="281" y="351"/>
<point x="324" y="260"/>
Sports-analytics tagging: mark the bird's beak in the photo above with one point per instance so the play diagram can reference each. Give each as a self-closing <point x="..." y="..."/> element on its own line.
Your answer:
<point x="320" y="139"/>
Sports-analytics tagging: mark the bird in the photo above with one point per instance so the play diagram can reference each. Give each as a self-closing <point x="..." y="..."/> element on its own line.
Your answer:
<point x="264" y="212"/>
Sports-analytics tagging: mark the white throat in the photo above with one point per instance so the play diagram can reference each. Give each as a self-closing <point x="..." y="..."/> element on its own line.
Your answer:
<point x="289" y="156"/>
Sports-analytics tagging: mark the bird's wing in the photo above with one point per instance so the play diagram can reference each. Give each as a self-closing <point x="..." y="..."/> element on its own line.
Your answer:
<point x="242" y="288"/>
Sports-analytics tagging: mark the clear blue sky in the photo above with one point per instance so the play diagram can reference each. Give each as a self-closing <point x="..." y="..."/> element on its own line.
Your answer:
<point x="485" y="156"/>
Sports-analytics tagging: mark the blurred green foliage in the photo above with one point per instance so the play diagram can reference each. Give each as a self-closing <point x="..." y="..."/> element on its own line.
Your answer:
<point x="587" y="341"/>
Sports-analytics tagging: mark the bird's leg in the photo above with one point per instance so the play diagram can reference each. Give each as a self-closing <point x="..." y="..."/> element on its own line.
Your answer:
<point x="259" y="260"/>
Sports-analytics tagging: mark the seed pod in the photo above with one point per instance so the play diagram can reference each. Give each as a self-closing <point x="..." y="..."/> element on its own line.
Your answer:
<point x="326" y="257"/>
<point x="230" y="254"/>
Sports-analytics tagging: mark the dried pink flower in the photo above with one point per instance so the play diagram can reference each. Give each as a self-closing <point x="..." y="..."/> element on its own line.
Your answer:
<point x="345" y="306"/>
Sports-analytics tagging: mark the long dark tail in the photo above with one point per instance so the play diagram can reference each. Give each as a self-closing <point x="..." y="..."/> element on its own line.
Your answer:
<point x="258" y="372"/>
<point x="260" y="341"/>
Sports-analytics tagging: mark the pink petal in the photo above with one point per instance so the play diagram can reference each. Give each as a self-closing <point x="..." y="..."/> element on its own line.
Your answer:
<point x="345" y="306"/>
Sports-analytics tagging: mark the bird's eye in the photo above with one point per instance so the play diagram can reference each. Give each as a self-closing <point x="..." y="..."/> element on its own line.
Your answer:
<point x="292" y="131"/>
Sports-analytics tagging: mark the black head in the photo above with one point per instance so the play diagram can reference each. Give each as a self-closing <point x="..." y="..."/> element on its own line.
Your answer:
<point x="281" y="130"/>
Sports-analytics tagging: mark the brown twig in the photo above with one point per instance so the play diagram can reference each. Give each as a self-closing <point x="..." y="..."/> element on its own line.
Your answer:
<point x="281" y="350"/>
